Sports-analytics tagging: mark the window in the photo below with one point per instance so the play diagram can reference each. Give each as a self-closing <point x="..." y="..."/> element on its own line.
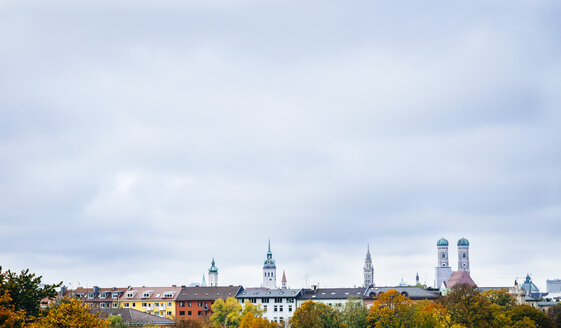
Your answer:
<point x="144" y="305"/>
<point x="156" y="304"/>
<point x="253" y="300"/>
<point x="189" y="304"/>
<point x="200" y="303"/>
<point x="443" y="255"/>
<point x="115" y="305"/>
<point x="280" y="308"/>
<point x="131" y="294"/>
<point x="265" y="308"/>
<point x="290" y="308"/>
<point x="181" y="312"/>
<point x="188" y="312"/>
<point x="289" y="300"/>
<point x="464" y="255"/>
<point x="126" y="304"/>
<point x="275" y="319"/>
<point x="200" y="313"/>
<point x="156" y="313"/>
<point x="181" y="303"/>
<point x="102" y="305"/>
<point x="133" y="304"/>
<point x="278" y="300"/>
<point x="275" y="308"/>
<point x="169" y="313"/>
<point x="265" y="300"/>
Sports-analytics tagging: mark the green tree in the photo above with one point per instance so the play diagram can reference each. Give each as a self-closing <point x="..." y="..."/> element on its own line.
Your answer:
<point x="391" y="309"/>
<point x="500" y="297"/>
<point x="25" y="291"/>
<point x="468" y="307"/>
<point x="229" y="313"/>
<point x="315" y="315"/>
<point x="116" y="321"/>
<point x="519" y="312"/>
<point x="354" y="313"/>
<point x="554" y="313"/>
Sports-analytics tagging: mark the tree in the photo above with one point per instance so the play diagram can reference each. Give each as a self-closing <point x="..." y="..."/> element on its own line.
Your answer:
<point x="9" y="316"/>
<point x="354" y="314"/>
<point x="226" y="313"/>
<point x="432" y="315"/>
<point x="389" y="310"/>
<point x="554" y="313"/>
<point x="116" y="321"/>
<point x="519" y="312"/>
<point x="249" y="320"/>
<point x="525" y="323"/>
<point x="315" y="315"/>
<point x="69" y="313"/>
<point x="500" y="297"/>
<point x="25" y="291"/>
<point x="190" y="323"/>
<point x="468" y="307"/>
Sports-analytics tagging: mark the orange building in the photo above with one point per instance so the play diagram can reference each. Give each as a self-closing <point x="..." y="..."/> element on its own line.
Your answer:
<point x="196" y="302"/>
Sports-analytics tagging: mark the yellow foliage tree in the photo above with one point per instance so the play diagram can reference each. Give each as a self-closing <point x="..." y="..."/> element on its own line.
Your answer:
<point x="249" y="320"/>
<point x="69" y="313"/>
<point x="389" y="310"/>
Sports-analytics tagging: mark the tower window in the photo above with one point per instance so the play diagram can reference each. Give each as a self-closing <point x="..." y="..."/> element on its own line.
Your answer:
<point x="443" y="255"/>
<point x="464" y="255"/>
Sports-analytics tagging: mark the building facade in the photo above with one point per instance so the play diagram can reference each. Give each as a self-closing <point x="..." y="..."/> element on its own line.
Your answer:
<point x="279" y="304"/>
<point x="159" y="301"/>
<point x="196" y="302"/>
<point x="553" y="286"/>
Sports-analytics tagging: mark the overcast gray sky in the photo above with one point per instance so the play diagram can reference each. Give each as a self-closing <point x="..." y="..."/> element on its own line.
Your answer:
<point x="139" y="139"/>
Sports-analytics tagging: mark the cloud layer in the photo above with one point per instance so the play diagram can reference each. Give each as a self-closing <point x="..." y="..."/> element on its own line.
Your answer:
<point x="140" y="139"/>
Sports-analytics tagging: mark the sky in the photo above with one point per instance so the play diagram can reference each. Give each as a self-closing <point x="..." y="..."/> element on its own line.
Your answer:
<point x="140" y="139"/>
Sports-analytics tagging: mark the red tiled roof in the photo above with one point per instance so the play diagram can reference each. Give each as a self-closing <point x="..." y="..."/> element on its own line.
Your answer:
<point x="458" y="278"/>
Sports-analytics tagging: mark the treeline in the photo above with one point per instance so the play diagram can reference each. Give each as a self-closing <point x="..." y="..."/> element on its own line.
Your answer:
<point x="463" y="307"/>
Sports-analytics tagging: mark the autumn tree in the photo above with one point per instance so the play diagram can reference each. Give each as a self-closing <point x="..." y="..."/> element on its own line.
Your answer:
<point x="9" y="316"/>
<point x="229" y="313"/>
<point x="190" y="323"/>
<point x="315" y="315"/>
<point x="69" y="313"/>
<point x="249" y="320"/>
<point x="354" y="313"/>
<point x="389" y="310"/>
<point x="519" y="312"/>
<point x="500" y="297"/>
<point x="468" y="307"/>
<point x="25" y="291"/>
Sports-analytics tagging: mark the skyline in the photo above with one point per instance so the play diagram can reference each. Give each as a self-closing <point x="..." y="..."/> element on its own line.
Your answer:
<point x="140" y="139"/>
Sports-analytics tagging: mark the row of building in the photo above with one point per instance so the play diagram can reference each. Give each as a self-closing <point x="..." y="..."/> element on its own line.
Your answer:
<point x="182" y="302"/>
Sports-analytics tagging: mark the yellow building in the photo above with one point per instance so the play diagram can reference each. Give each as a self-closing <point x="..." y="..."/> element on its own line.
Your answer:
<point x="158" y="301"/>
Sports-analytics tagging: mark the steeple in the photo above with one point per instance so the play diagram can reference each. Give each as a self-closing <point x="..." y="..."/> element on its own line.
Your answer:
<point x="417" y="278"/>
<point x="368" y="269"/>
<point x="269" y="270"/>
<point x="213" y="274"/>
<point x="203" y="283"/>
<point x="283" y="281"/>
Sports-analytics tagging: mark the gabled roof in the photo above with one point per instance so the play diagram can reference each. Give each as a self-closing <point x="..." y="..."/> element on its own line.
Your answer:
<point x="135" y="317"/>
<point x="331" y="293"/>
<point x="154" y="294"/>
<point x="460" y="277"/>
<point x="266" y="293"/>
<point x="211" y="293"/>
<point x="413" y="292"/>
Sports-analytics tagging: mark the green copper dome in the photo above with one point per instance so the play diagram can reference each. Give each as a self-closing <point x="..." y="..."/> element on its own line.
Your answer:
<point x="442" y="242"/>
<point x="463" y="242"/>
<point x="213" y="267"/>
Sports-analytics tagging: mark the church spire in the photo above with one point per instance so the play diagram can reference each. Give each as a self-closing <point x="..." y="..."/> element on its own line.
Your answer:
<point x="283" y="281"/>
<point x="368" y="269"/>
<point x="269" y="270"/>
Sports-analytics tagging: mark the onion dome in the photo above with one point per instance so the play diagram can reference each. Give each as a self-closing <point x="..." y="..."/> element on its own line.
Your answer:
<point x="213" y="267"/>
<point x="463" y="242"/>
<point x="442" y="242"/>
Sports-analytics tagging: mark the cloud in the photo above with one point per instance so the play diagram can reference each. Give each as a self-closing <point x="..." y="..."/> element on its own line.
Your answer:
<point x="145" y="137"/>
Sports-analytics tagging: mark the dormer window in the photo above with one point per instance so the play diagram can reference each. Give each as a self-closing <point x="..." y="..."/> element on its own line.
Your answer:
<point x="131" y="294"/>
<point x="147" y="293"/>
<point x="168" y="294"/>
<point x="102" y="295"/>
<point x="114" y="295"/>
<point x="91" y="295"/>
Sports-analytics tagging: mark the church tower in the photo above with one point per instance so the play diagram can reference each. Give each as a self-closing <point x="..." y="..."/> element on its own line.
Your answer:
<point x="213" y="274"/>
<point x="443" y="271"/>
<point x="368" y="269"/>
<point x="269" y="270"/>
<point x="283" y="281"/>
<point x="463" y="255"/>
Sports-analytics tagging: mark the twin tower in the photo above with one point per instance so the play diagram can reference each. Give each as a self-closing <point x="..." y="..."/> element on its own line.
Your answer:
<point x="443" y="270"/>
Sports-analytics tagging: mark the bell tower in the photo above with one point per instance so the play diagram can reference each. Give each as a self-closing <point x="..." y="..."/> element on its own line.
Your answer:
<point x="269" y="270"/>
<point x="368" y="269"/>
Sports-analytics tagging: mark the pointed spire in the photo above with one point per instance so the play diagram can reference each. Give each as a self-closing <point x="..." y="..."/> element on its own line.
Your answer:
<point x="269" y="251"/>
<point x="203" y="283"/>
<point x="283" y="276"/>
